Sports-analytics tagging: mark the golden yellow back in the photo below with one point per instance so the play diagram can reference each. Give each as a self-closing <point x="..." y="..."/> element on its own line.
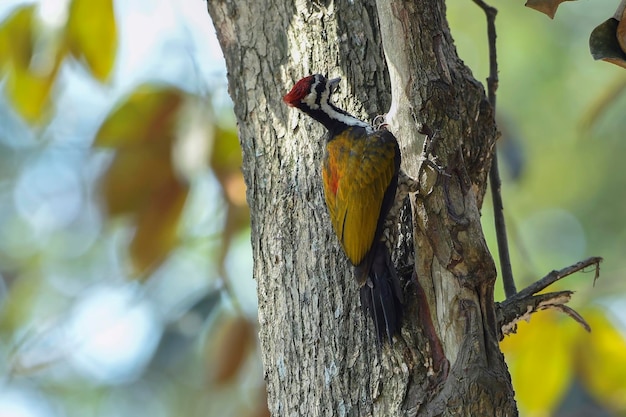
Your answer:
<point x="357" y="170"/>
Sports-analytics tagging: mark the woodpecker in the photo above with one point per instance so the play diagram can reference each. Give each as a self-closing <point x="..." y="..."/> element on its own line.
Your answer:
<point x="360" y="171"/>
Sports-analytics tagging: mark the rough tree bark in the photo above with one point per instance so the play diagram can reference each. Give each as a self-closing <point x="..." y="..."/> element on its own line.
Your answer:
<point x="319" y="351"/>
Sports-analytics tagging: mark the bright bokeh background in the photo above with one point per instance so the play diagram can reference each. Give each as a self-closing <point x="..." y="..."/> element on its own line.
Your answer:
<point x="125" y="262"/>
<point x="562" y="116"/>
<point x="94" y="322"/>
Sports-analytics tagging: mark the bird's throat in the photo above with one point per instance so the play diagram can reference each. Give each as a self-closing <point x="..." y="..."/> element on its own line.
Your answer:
<point x="336" y="120"/>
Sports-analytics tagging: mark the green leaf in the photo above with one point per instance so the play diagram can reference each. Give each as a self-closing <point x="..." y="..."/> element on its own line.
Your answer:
<point x="92" y="35"/>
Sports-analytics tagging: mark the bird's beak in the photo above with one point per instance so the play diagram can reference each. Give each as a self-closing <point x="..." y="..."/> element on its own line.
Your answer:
<point x="334" y="83"/>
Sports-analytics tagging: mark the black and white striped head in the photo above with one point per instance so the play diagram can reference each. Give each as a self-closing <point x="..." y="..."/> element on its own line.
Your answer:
<point x="312" y="94"/>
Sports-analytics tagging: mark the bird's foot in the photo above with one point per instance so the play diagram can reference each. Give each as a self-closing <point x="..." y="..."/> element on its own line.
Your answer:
<point x="380" y="122"/>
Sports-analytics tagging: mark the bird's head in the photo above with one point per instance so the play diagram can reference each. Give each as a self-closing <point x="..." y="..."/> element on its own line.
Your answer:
<point x="312" y="92"/>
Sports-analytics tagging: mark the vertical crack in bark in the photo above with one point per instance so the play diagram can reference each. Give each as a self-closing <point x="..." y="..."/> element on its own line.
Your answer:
<point x="448" y="220"/>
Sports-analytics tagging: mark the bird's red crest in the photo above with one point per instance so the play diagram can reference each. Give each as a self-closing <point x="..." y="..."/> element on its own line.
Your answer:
<point x="299" y="91"/>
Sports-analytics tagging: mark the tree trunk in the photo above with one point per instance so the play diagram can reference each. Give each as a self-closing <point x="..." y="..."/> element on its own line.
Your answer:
<point x="319" y="350"/>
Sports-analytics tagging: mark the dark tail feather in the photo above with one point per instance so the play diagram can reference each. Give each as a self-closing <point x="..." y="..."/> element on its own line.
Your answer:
<point x="381" y="296"/>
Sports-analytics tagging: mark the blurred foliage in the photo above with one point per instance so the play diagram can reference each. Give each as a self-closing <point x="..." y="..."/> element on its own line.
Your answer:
<point x="123" y="217"/>
<point x="28" y="81"/>
<point x="551" y="351"/>
<point x="135" y="314"/>
<point x="607" y="41"/>
<point x="141" y="181"/>
<point x="31" y="54"/>
<point x="596" y="359"/>
<point x="562" y="124"/>
<point x="235" y="337"/>
<point x="91" y="35"/>
<point x="603" y="103"/>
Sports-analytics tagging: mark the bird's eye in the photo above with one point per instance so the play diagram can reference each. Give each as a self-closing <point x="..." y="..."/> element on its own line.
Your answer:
<point x="334" y="84"/>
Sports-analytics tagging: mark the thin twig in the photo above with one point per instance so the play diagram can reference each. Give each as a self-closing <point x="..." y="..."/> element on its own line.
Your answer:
<point x="573" y="314"/>
<point x="554" y="276"/>
<point x="527" y="302"/>
<point x="492" y="80"/>
<point x="494" y="173"/>
<point x="501" y="236"/>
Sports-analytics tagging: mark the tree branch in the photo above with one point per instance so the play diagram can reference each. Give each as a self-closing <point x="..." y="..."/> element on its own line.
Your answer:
<point x="554" y="276"/>
<point x="494" y="173"/>
<point x="521" y="305"/>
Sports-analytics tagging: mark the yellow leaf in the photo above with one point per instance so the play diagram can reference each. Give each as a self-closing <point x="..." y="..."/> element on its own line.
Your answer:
<point x="92" y="35"/>
<point x="29" y="93"/>
<point x="602" y="360"/>
<point x="16" y="37"/>
<point x="135" y="175"/>
<point x="28" y="87"/>
<point x="148" y="114"/>
<point x="540" y="361"/>
<point x="157" y="226"/>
